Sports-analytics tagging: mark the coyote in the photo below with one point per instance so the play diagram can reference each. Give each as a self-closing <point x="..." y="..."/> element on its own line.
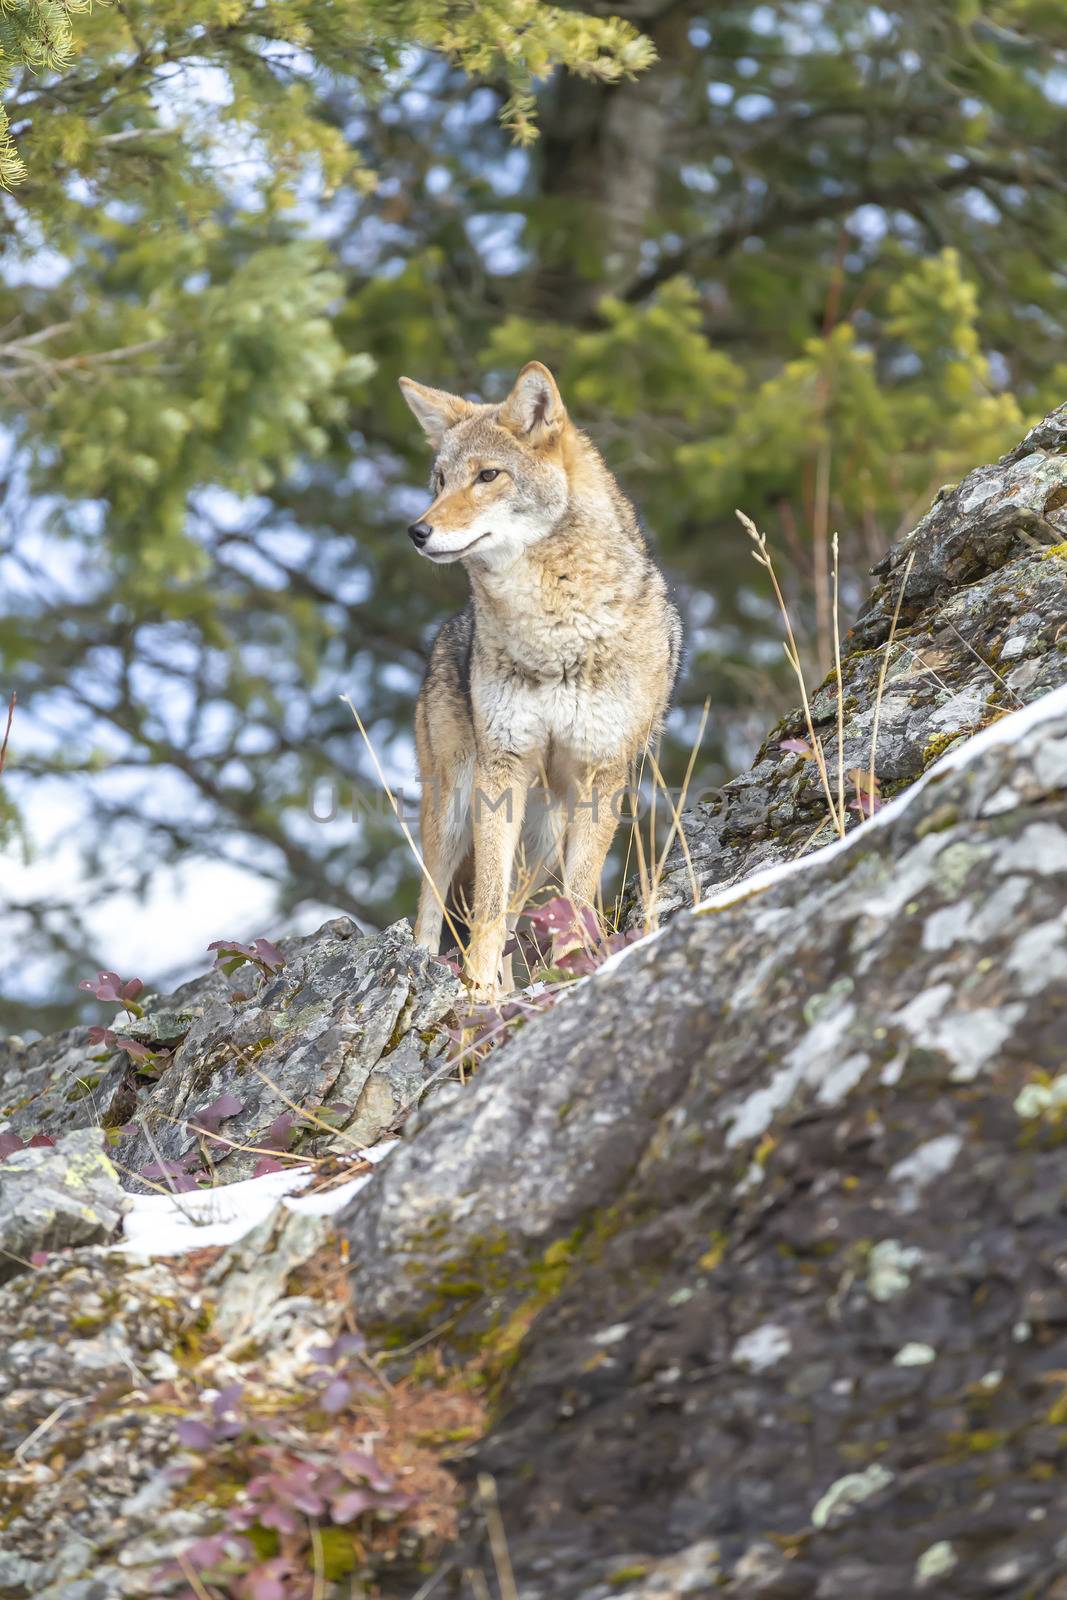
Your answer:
<point x="540" y="694"/>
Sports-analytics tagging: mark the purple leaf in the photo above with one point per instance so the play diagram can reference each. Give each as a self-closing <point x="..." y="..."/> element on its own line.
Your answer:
<point x="266" y="1165"/>
<point x="39" y="1257"/>
<point x="195" y="1435"/>
<point x="797" y="747"/>
<point x="269" y="954"/>
<point x="266" y="1582"/>
<point x="226" y="1399"/>
<point x="280" y="1517"/>
<point x="336" y="1396"/>
<point x="206" y="1552"/>
<point x="227" y="1105"/>
<point x="232" y="953"/>
<point x="132" y="1047"/>
<point x="357" y="1463"/>
<point x="98" y="1035"/>
<point x="39" y="1140"/>
<point x="9" y="1143"/>
<point x="279" y="1135"/>
<point x="162" y="1169"/>
<point x="353" y="1504"/>
<point x="105" y="986"/>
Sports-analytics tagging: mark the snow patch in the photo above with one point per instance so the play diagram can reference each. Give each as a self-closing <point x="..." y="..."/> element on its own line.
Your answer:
<point x="173" y="1224"/>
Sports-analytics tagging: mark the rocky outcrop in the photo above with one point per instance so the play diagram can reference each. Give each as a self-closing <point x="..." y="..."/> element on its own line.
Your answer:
<point x="52" y="1197"/>
<point x="765" y="1225"/>
<point x="982" y="631"/>
<point x="753" y="1244"/>
<point x="347" y="1023"/>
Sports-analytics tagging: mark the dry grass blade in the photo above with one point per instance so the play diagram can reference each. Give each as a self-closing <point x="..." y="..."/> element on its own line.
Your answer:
<point x="251" y="1149"/>
<point x="413" y="847"/>
<point x="675" y="829"/>
<point x="983" y="662"/>
<point x="635" y="825"/>
<point x="7" y="729"/>
<point x="193" y="1579"/>
<point x="160" y="1188"/>
<point x="161" y="1161"/>
<point x="301" y="1111"/>
<point x="883" y="671"/>
<point x="318" y="1561"/>
<point x="22" y="1261"/>
<point x="762" y="556"/>
<point x="840" y="685"/>
<point x="498" y="1542"/>
<point x="676" y="810"/>
<point x="425" y="1590"/>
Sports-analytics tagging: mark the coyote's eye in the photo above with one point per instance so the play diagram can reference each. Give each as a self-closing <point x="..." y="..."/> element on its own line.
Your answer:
<point x="488" y="475"/>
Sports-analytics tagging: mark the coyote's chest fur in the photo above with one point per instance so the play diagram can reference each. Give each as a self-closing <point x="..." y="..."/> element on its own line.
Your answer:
<point x="548" y="676"/>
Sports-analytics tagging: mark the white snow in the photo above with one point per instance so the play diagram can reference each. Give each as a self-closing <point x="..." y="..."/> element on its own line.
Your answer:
<point x="172" y="1224"/>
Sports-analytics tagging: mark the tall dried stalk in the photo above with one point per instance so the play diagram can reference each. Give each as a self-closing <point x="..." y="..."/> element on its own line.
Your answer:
<point x="7" y="730"/>
<point x="413" y="847"/>
<point x="762" y="556"/>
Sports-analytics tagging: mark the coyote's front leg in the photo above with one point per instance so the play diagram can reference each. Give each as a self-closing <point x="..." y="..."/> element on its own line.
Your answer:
<point x="592" y="818"/>
<point x="497" y="809"/>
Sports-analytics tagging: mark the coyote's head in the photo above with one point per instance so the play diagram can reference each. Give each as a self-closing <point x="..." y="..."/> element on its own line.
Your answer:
<point x="499" y="478"/>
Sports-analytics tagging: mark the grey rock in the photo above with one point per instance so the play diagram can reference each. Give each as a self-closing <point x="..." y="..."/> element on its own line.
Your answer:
<point x="982" y="630"/>
<point x="349" y="1020"/>
<point x="55" y="1196"/>
<point x="84" y="1337"/>
<point x="695" y="1213"/>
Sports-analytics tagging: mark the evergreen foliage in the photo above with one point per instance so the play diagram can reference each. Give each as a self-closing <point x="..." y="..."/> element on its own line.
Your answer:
<point x="805" y="258"/>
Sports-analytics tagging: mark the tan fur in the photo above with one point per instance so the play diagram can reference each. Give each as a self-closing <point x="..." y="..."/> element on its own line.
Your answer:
<point x="555" y="675"/>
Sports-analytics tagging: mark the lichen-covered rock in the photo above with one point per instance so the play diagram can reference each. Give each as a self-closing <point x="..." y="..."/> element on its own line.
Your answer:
<point x="55" y="1196"/>
<point x="349" y="1021"/>
<point x="164" y="1429"/>
<point x="83" y="1455"/>
<point x="767" y="1222"/>
<point x="982" y="630"/>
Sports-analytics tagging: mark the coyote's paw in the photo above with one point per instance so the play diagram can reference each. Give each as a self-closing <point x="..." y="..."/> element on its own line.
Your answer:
<point x="483" y="994"/>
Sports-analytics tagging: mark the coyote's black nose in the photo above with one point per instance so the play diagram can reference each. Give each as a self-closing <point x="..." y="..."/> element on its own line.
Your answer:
<point x="419" y="532"/>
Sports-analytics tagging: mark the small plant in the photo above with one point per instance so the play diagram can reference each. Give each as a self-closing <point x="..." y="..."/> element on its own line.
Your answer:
<point x="10" y="1142"/>
<point x="109" y="987"/>
<point x="866" y="799"/>
<point x="231" y="954"/>
<point x="315" y="1485"/>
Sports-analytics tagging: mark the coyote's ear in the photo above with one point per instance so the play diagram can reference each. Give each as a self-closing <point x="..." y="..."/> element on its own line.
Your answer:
<point x="533" y="409"/>
<point x="436" y="409"/>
